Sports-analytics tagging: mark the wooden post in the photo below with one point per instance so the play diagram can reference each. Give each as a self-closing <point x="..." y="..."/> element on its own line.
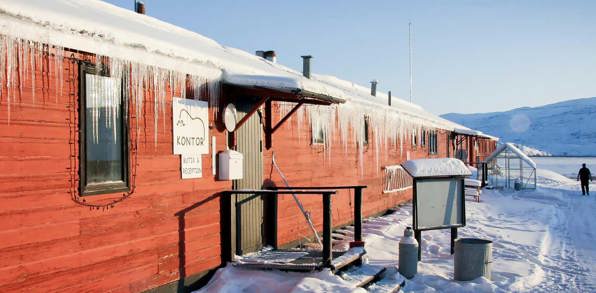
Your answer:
<point x="327" y="230"/>
<point x="418" y="236"/>
<point x="358" y="214"/>
<point x="453" y="237"/>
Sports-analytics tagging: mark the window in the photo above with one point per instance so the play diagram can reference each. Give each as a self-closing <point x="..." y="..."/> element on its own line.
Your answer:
<point x="423" y="138"/>
<point x="396" y="179"/>
<point x="317" y="132"/>
<point x="103" y="133"/>
<point x="433" y="142"/>
<point x="414" y="138"/>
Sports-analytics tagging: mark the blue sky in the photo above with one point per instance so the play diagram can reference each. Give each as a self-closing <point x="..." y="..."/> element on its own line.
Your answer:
<point x="469" y="55"/>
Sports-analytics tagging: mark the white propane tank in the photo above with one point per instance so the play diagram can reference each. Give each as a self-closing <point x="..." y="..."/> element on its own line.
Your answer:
<point x="408" y="254"/>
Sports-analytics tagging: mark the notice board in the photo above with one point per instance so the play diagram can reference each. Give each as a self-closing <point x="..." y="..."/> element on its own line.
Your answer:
<point x="439" y="203"/>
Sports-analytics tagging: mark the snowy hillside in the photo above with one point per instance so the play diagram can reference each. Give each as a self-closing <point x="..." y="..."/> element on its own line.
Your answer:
<point x="532" y="152"/>
<point x="565" y="128"/>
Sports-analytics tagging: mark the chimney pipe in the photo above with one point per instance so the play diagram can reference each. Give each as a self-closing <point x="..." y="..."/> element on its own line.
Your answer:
<point x="139" y="7"/>
<point x="306" y="65"/>
<point x="389" y="97"/>
<point x="373" y="87"/>
<point x="270" y="55"/>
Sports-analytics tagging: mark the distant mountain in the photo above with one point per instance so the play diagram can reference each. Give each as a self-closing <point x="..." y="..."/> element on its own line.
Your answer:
<point x="566" y="128"/>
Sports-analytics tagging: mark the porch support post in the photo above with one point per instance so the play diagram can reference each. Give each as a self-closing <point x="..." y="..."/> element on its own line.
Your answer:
<point x="358" y="214"/>
<point x="327" y="230"/>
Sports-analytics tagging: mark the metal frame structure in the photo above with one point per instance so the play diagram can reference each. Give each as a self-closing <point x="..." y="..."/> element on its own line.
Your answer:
<point x="507" y="169"/>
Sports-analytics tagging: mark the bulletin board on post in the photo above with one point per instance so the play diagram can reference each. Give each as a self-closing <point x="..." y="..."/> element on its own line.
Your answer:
<point x="439" y="203"/>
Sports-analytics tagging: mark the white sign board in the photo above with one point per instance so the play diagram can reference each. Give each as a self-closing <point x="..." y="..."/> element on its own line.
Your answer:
<point x="191" y="166"/>
<point x="191" y="126"/>
<point x="439" y="203"/>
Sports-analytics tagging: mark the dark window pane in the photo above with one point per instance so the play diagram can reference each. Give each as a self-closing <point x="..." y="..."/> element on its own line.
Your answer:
<point x="104" y="137"/>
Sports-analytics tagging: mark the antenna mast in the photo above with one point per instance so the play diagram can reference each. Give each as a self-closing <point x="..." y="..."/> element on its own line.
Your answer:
<point x="410" y="57"/>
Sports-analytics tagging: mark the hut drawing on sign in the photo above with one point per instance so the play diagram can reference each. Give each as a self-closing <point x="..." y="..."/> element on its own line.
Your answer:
<point x="508" y="167"/>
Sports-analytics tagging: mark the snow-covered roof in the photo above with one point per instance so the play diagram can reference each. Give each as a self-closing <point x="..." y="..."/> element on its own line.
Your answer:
<point x="509" y="146"/>
<point x="468" y="131"/>
<point x="436" y="168"/>
<point x="104" y="29"/>
<point x="360" y="95"/>
<point x="107" y="30"/>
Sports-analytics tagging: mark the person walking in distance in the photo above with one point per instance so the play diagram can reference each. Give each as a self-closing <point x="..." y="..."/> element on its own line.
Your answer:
<point x="583" y="176"/>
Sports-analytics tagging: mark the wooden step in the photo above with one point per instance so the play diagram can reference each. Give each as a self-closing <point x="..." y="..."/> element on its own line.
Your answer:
<point x="390" y="282"/>
<point x="351" y="256"/>
<point x="339" y="236"/>
<point x="362" y="275"/>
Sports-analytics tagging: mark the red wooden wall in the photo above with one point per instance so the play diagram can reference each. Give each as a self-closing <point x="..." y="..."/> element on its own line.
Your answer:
<point x="48" y="242"/>
<point x="305" y="164"/>
<point x="168" y="228"/>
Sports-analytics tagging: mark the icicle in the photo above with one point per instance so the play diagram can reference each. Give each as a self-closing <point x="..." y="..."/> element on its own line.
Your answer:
<point x="2" y="64"/>
<point x="33" y="58"/>
<point x="9" y="75"/>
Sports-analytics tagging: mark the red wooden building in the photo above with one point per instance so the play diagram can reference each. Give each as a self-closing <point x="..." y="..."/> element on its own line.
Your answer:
<point x="92" y="195"/>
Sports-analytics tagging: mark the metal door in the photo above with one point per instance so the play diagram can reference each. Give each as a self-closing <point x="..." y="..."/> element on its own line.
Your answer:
<point x="249" y="208"/>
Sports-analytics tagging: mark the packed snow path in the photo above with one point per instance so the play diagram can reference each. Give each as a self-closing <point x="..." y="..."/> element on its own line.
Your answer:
<point x="543" y="241"/>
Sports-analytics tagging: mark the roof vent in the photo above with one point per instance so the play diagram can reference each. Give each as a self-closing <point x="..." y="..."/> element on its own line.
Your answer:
<point x="389" y="98"/>
<point x="269" y="55"/>
<point x="306" y="65"/>
<point x="139" y="7"/>
<point x="373" y="87"/>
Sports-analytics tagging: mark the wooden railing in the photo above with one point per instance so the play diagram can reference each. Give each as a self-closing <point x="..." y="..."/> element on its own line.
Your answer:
<point x="325" y="192"/>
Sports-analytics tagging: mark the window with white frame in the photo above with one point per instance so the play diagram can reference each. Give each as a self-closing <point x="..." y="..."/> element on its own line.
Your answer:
<point x="414" y="138"/>
<point x="433" y="144"/>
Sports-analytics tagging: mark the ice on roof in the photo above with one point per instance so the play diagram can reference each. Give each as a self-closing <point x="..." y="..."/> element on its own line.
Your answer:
<point x="361" y="96"/>
<point x="104" y="29"/>
<point x="436" y="167"/>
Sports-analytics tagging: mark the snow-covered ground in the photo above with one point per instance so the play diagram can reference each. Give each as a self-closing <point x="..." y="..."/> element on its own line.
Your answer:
<point x="543" y="241"/>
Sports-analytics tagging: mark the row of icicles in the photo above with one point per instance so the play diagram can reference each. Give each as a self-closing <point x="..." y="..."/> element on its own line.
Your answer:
<point x="23" y="60"/>
<point x="386" y="129"/>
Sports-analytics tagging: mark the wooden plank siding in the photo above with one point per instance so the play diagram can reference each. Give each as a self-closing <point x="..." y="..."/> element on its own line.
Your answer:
<point x="305" y="164"/>
<point x="50" y="243"/>
<point x="168" y="228"/>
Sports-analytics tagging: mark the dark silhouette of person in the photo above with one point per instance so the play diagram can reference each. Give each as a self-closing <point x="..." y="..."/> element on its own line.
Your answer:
<point x="583" y="176"/>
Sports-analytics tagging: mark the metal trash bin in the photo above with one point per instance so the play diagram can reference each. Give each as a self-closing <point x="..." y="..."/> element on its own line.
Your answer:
<point x="473" y="259"/>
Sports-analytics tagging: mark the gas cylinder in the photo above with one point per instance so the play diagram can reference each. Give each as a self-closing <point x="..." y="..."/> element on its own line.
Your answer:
<point x="408" y="254"/>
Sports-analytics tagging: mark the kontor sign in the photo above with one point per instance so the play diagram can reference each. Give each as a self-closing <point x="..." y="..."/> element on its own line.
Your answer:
<point x="191" y="126"/>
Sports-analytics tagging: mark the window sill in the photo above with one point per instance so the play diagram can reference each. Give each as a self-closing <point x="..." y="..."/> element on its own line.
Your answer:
<point x="104" y="188"/>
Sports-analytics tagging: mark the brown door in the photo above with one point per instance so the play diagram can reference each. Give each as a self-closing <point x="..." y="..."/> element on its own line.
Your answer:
<point x="249" y="208"/>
